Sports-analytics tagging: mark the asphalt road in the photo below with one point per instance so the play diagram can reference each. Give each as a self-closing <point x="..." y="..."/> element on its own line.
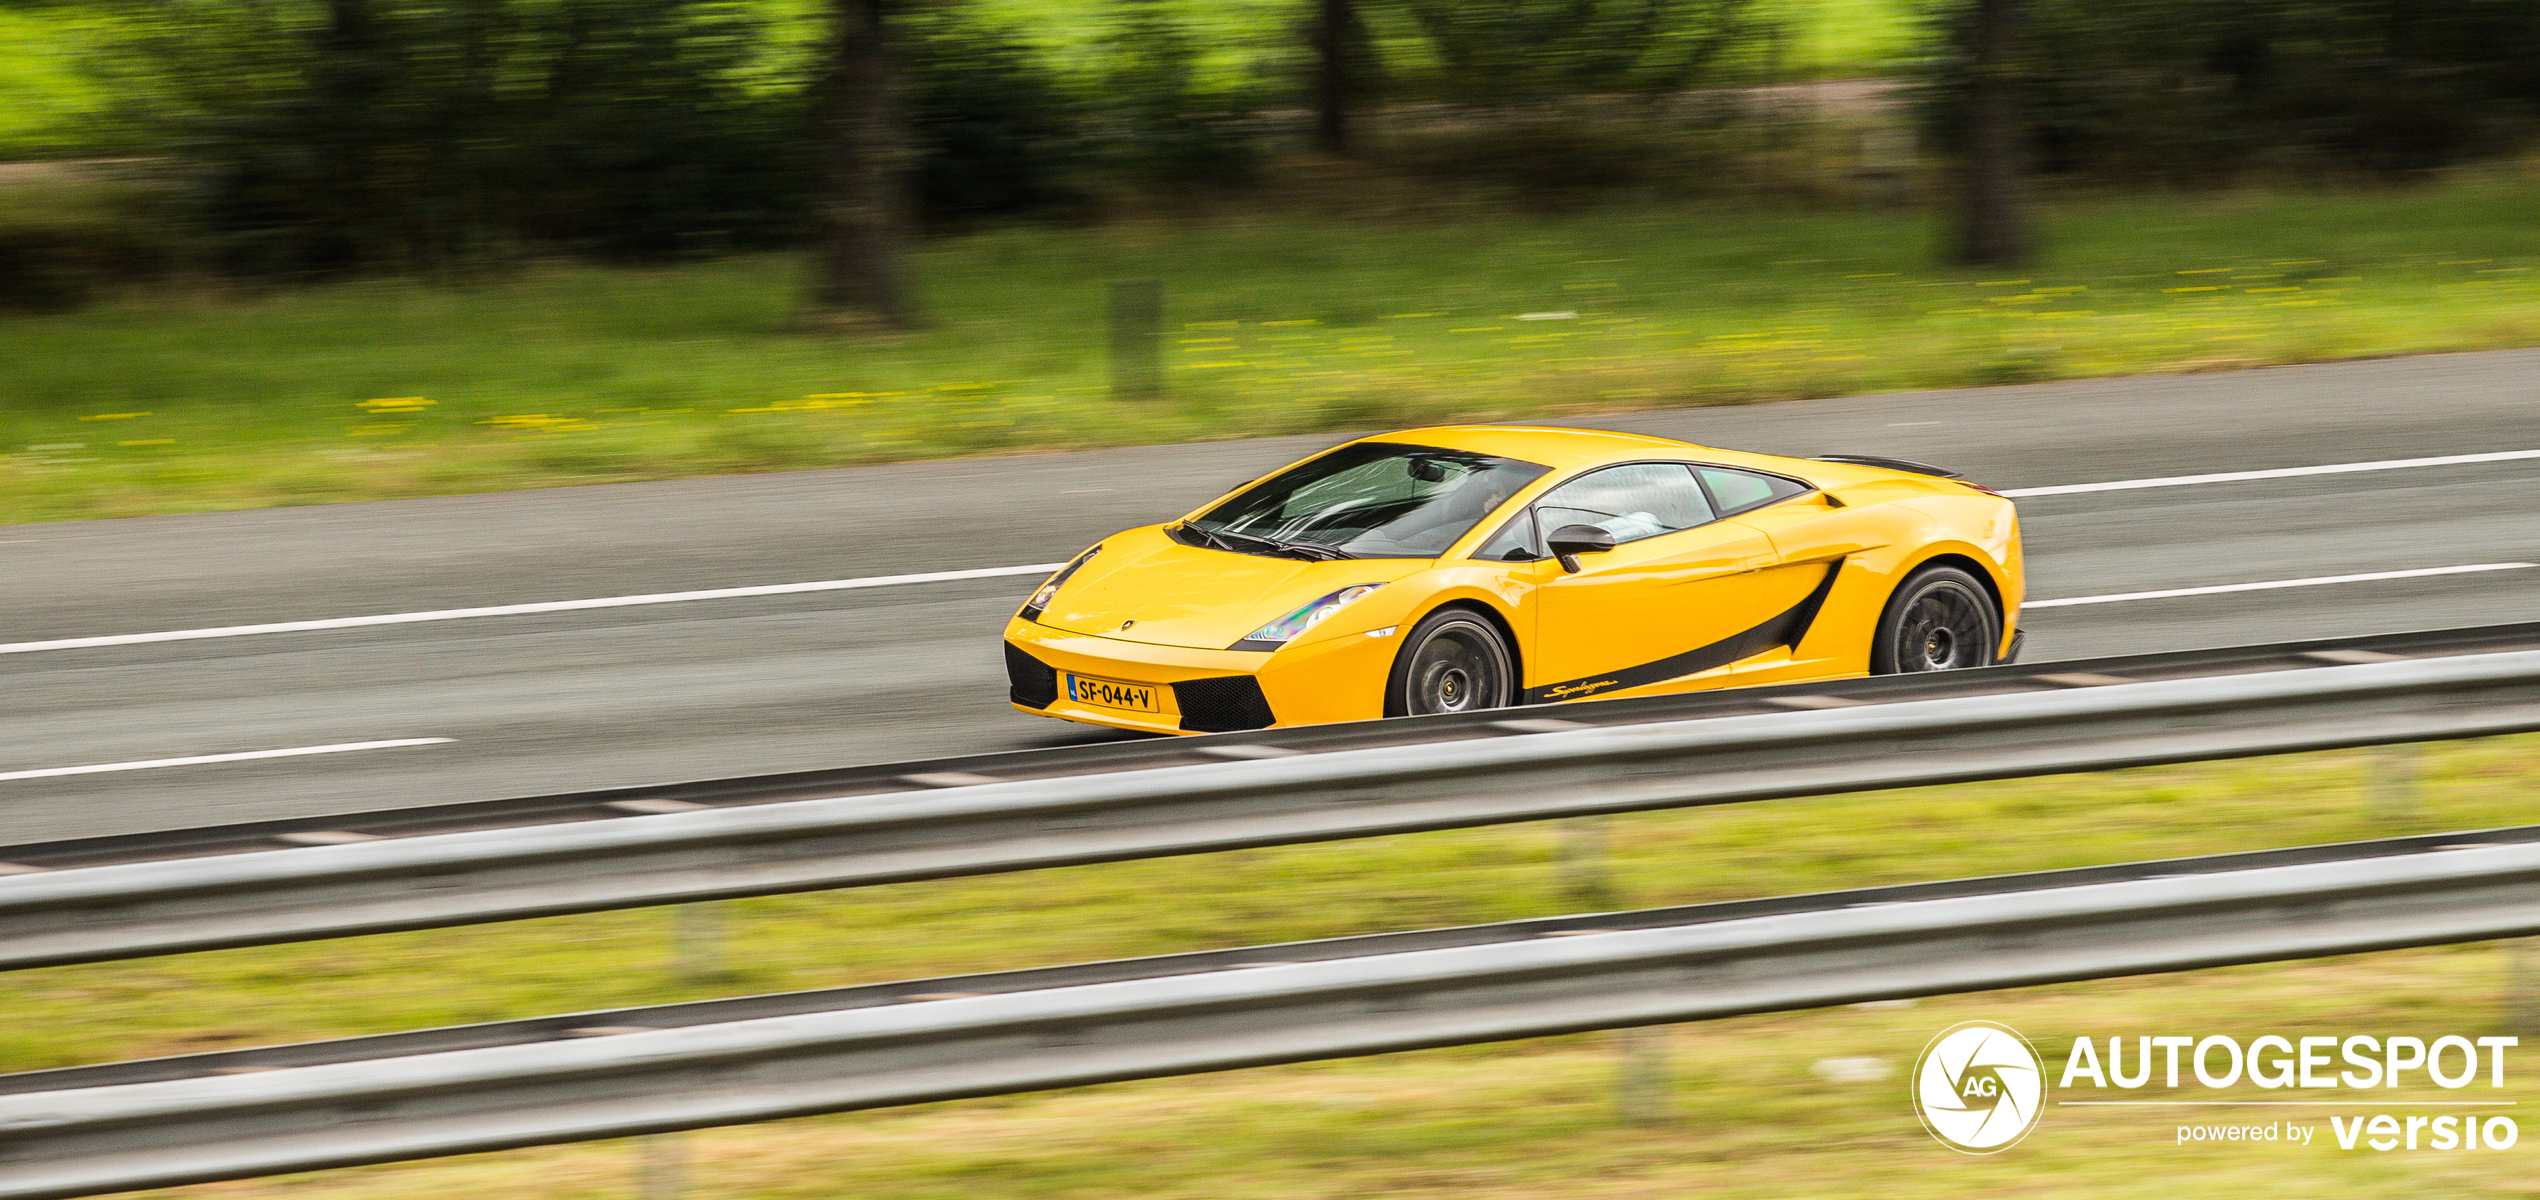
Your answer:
<point x="741" y="686"/>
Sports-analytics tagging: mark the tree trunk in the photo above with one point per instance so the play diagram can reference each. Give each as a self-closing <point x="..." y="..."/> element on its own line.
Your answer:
<point x="1993" y="223"/>
<point x="345" y="82"/>
<point x="1332" y="81"/>
<point x="861" y="209"/>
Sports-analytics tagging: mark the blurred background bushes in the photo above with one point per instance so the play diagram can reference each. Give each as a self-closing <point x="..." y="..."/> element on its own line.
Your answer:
<point x="300" y="139"/>
<point x="1518" y="52"/>
<point x="392" y="135"/>
<point x="2185" y="92"/>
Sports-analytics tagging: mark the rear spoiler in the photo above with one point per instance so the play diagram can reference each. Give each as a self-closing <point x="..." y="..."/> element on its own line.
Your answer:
<point x="1892" y="464"/>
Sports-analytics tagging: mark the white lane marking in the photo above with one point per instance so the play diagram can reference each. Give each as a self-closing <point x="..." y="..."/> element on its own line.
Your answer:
<point x="836" y="585"/>
<point x="517" y="610"/>
<point x="2276" y="583"/>
<point x="2391" y="464"/>
<point x="294" y="752"/>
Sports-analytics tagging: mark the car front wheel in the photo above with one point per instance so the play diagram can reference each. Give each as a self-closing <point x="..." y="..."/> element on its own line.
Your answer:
<point x="1454" y="661"/>
<point x="1942" y="619"/>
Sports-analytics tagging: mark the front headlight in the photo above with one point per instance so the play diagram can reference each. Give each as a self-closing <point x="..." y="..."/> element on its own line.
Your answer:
<point x="1286" y="629"/>
<point x="1049" y="591"/>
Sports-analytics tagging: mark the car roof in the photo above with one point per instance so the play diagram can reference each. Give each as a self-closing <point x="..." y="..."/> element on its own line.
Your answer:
<point x="1560" y="449"/>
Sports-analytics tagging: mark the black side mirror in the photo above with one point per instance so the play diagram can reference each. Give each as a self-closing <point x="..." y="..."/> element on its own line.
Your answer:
<point x="1570" y="541"/>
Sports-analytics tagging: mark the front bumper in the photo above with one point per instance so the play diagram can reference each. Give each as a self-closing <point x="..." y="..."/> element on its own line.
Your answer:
<point x="1200" y="691"/>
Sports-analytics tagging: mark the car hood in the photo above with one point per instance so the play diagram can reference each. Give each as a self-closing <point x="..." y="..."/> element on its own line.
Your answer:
<point x="1170" y="594"/>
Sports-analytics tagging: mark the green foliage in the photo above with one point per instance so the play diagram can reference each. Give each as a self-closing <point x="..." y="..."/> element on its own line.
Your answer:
<point x="1158" y="120"/>
<point x="425" y="134"/>
<point x="2188" y="90"/>
<point x="997" y="133"/>
<point x="48" y="107"/>
<point x="1517" y="51"/>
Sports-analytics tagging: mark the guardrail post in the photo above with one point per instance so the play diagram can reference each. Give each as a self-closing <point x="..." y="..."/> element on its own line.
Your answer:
<point x="662" y="1166"/>
<point x="1641" y="1075"/>
<point x="2522" y="986"/>
<point x="2390" y="781"/>
<point x="1587" y="880"/>
<point x="1640" y="1054"/>
<point x="699" y="933"/>
<point x="1137" y="336"/>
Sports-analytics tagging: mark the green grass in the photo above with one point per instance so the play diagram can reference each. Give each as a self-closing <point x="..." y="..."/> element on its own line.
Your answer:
<point x="559" y="375"/>
<point x="1527" y="1119"/>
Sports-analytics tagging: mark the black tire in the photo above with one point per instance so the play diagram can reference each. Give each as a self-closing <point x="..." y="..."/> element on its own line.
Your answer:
<point x="1452" y="661"/>
<point x="1941" y="619"/>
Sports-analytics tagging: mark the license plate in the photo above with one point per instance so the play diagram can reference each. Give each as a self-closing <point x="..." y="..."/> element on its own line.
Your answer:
<point x="1111" y="693"/>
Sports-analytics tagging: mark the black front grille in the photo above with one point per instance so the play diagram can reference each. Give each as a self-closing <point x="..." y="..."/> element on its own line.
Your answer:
<point x="1222" y="705"/>
<point x="1031" y="682"/>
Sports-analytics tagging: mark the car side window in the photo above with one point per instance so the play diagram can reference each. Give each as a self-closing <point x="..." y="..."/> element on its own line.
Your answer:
<point x="1516" y="541"/>
<point x="1738" y="491"/>
<point x="1632" y="501"/>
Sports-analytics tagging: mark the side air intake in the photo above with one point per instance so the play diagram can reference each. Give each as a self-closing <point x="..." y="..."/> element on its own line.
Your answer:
<point x="1031" y="682"/>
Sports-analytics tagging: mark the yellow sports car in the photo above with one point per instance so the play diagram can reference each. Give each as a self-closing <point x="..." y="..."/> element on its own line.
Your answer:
<point x="1481" y="566"/>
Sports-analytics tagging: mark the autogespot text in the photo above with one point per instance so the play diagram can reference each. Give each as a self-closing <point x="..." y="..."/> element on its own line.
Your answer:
<point x="2310" y="1067"/>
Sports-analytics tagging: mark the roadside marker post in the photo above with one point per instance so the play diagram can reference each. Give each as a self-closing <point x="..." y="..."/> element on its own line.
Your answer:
<point x="1137" y="335"/>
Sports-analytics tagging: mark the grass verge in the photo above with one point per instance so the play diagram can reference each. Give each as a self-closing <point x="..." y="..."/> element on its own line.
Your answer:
<point x="567" y="375"/>
<point x="1531" y="1118"/>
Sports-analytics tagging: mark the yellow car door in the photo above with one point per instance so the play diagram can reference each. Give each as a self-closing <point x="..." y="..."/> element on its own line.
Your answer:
<point x="1682" y="592"/>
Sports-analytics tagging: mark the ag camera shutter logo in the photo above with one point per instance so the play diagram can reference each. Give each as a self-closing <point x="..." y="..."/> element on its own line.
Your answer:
<point x="1979" y="1087"/>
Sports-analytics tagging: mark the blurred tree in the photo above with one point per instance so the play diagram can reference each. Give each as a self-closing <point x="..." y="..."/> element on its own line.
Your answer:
<point x="1338" y="34"/>
<point x="1992" y="217"/>
<point x="347" y="76"/>
<point x="864" y="149"/>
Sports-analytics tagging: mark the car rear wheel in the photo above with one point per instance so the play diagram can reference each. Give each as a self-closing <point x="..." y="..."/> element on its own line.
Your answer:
<point x="1454" y="661"/>
<point x="1942" y="619"/>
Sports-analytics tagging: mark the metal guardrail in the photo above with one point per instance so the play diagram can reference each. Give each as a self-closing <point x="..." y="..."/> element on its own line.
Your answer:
<point x="1149" y="753"/>
<point x="446" y="879"/>
<point x="243" y="1113"/>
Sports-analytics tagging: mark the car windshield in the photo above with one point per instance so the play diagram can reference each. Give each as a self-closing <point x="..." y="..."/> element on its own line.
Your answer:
<point x="1367" y="500"/>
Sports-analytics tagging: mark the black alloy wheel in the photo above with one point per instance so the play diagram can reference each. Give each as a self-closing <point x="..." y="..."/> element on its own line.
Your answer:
<point x="1942" y="619"/>
<point x="1454" y="661"/>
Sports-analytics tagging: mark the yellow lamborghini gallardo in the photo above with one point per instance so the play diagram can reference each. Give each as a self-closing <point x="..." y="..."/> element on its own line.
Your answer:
<point x="1481" y="566"/>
